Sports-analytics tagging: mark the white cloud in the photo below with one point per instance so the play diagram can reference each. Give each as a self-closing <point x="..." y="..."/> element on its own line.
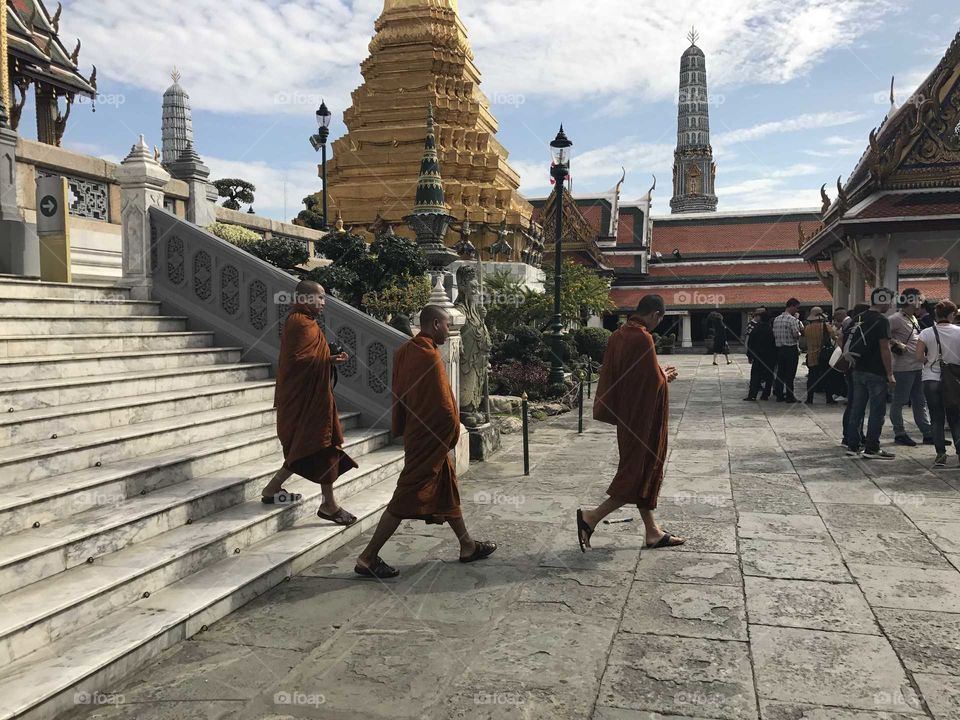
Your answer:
<point x="300" y="180"/>
<point x="266" y="57"/>
<point x="807" y="121"/>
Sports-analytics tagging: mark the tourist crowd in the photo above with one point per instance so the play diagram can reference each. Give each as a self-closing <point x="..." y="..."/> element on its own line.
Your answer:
<point x="898" y="351"/>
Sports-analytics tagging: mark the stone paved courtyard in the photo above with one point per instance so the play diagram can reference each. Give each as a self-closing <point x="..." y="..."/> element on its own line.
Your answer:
<point x="812" y="586"/>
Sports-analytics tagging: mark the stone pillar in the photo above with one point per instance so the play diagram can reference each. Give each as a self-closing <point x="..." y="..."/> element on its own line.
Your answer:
<point x="189" y="167"/>
<point x="19" y="244"/>
<point x="841" y="291"/>
<point x="686" y="330"/>
<point x="450" y="352"/>
<point x="891" y="273"/>
<point x="142" y="180"/>
<point x="857" y="285"/>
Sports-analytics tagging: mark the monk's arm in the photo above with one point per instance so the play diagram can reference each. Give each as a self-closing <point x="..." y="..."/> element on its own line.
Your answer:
<point x="301" y="337"/>
<point x="399" y="413"/>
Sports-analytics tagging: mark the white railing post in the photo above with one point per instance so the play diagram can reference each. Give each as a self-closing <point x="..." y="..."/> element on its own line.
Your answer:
<point x="142" y="180"/>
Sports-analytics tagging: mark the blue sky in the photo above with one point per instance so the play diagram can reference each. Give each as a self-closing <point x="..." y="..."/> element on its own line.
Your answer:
<point x="796" y="85"/>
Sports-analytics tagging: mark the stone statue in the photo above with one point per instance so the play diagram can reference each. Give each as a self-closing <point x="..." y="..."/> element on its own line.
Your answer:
<point x="475" y="349"/>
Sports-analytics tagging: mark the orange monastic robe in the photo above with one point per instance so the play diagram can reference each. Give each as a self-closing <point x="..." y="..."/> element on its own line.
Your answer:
<point x="425" y="414"/>
<point x="632" y="394"/>
<point x="307" y="421"/>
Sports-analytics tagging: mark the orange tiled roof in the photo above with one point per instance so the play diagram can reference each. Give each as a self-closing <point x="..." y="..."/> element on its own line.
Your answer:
<point x="731" y="236"/>
<point x="915" y="204"/>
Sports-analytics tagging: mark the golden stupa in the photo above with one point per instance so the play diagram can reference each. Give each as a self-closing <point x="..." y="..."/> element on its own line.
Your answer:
<point x="420" y="55"/>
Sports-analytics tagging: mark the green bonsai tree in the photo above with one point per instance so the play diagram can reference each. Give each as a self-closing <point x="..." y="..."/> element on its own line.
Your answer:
<point x="236" y="192"/>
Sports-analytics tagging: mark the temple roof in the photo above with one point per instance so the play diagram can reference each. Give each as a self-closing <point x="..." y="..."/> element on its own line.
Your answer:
<point x="33" y="39"/>
<point x="771" y="232"/>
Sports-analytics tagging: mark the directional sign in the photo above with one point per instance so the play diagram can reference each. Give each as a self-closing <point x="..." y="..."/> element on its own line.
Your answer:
<point x="51" y="200"/>
<point x="49" y="205"/>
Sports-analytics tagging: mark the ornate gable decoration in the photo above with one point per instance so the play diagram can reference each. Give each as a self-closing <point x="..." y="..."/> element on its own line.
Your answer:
<point x="919" y="146"/>
<point x="576" y="230"/>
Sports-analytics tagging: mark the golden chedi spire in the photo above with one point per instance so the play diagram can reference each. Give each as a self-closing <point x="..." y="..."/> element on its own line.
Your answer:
<point x="420" y="55"/>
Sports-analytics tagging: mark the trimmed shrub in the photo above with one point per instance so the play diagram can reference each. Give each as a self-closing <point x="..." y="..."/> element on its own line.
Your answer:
<point x="592" y="342"/>
<point x="234" y="234"/>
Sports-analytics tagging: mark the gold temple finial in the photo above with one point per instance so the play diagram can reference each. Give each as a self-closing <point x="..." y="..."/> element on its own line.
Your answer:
<point x="339" y="223"/>
<point x="693" y="35"/>
<point x="175" y="74"/>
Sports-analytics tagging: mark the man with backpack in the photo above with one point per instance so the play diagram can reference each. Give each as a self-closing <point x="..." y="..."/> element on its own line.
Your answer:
<point x="868" y="348"/>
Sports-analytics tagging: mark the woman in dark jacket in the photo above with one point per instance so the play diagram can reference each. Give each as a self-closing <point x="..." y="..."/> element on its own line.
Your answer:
<point x="719" y="331"/>
<point x="762" y="354"/>
<point x="855" y="314"/>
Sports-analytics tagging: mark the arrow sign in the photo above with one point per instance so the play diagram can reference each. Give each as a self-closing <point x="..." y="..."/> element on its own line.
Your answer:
<point x="49" y="205"/>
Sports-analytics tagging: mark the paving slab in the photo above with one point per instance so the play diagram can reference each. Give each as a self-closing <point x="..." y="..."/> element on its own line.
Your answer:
<point x="942" y="693"/>
<point x="682" y="676"/>
<point x="879" y="547"/>
<point x="669" y="565"/>
<point x="909" y="588"/>
<point x="841" y="669"/>
<point x="686" y="610"/>
<point x="809" y="604"/>
<point x="771" y="526"/>
<point x="793" y="560"/>
<point x="795" y="711"/>
<point x="926" y="641"/>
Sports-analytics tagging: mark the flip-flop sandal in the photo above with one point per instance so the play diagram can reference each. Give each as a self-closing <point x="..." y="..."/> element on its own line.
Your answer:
<point x="379" y="570"/>
<point x="340" y="517"/>
<point x="282" y="498"/>
<point x="483" y="549"/>
<point x="667" y="540"/>
<point x="583" y="530"/>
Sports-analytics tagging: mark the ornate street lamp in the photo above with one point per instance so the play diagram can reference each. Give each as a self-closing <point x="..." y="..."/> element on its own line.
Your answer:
<point x="559" y="170"/>
<point x="319" y="142"/>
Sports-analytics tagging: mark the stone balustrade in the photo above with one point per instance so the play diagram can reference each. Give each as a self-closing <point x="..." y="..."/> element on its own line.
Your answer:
<point x="245" y="300"/>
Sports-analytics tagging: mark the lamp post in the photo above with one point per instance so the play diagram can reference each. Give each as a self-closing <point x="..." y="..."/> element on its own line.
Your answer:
<point x="319" y="142"/>
<point x="560" y="150"/>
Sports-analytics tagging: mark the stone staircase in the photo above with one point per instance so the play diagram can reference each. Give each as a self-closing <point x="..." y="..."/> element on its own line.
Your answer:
<point x="132" y="453"/>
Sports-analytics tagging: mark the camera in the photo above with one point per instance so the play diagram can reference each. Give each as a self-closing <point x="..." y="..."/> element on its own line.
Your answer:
<point x="336" y="348"/>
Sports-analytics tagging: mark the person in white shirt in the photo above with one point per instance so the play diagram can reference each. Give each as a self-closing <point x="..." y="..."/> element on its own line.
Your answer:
<point x="945" y="337"/>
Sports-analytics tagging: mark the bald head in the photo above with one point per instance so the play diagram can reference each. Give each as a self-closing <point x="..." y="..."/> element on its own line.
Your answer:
<point x="310" y="296"/>
<point x="435" y="323"/>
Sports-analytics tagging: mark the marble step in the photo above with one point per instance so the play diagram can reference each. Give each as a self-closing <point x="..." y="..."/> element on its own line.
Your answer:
<point x="37" y="460"/>
<point x="87" y="537"/>
<point x="41" y="502"/>
<point x="17" y="287"/>
<point x="65" y="420"/>
<point x="18" y="396"/>
<point x="29" y="345"/>
<point x="67" y="307"/>
<point x="96" y="656"/>
<point x="93" y="364"/>
<point x="85" y="325"/>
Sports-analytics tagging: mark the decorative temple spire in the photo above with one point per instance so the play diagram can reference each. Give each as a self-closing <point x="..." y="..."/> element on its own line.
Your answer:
<point x="429" y="198"/>
<point x="694" y="172"/>
<point x="431" y="217"/>
<point x="177" y="123"/>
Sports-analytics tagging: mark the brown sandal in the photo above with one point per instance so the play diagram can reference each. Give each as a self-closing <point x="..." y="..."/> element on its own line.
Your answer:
<point x="483" y="549"/>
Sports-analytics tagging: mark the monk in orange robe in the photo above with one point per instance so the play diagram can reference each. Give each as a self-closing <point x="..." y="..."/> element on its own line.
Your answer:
<point x="308" y="424"/>
<point x="425" y="413"/>
<point x="632" y="394"/>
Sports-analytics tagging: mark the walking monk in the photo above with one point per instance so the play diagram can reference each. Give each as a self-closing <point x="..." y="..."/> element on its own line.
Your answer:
<point x="632" y="394"/>
<point x="307" y="421"/>
<point x="425" y="414"/>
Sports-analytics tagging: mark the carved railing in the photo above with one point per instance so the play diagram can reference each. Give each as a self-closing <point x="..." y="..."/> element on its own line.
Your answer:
<point x="245" y="300"/>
